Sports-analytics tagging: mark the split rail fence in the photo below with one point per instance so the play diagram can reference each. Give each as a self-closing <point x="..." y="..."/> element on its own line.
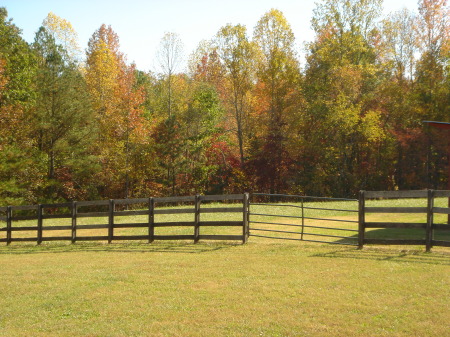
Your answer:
<point x="110" y="209"/>
<point x="18" y="219"/>
<point x="302" y="225"/>
<point x="428" y="226"/>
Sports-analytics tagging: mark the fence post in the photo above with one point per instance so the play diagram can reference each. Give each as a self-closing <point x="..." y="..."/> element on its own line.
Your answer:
<point x="429" y="228"/>
<point x="245" y="223"/>
<point x="111" y="221"/>
<point x="151" y="220"/>
<point x="197" y="219"/>
<point x="39" y="225"/>
<point x="8" y="225"/>
<point x="74" y="221"/>
<point x="303" y="218"/>
<point x="361" y="218"/>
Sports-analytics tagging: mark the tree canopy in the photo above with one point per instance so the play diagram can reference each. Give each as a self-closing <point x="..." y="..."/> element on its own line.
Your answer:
<point x="246" y="116"/>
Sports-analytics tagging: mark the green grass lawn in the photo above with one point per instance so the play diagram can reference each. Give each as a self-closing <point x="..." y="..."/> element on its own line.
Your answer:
<point x="267" y="287"/>
<point x="258" y="289"/>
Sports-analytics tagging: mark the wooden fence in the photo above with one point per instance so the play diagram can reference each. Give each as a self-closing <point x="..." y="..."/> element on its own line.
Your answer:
<point x="74" y="211"/>
<point x="113" y="210"/>
<point x="428" y="225"/>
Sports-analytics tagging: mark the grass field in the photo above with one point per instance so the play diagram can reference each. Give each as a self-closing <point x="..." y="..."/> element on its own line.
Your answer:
<point x="258" y="289"/>
<point x="264" y="288"/>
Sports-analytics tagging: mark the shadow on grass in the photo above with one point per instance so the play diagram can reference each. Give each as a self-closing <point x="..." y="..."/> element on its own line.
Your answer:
<point x="384" y="254"/>
<point x="178" y="247"/>
<point x="406" y="234"/>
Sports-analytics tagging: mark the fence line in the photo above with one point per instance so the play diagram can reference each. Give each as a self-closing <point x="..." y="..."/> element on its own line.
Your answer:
<point x="111" y="211"/>
<point x="428" y="225"/>
<point x="72" y="212"/>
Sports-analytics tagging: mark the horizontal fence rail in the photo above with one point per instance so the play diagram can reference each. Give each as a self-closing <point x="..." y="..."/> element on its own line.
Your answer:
<point x="111" y="213"/>
<point x="256" y="218"/>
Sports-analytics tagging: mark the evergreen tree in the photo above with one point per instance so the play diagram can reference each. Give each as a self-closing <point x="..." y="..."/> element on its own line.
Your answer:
<point x="63" y="125"/>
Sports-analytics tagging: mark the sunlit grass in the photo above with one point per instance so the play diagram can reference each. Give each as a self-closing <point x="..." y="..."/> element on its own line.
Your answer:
<point x="267" y="287"/>
<point x="258" y="289"/>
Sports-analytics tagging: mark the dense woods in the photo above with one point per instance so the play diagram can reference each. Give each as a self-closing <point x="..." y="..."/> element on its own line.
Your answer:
<point x="244" y="116"/>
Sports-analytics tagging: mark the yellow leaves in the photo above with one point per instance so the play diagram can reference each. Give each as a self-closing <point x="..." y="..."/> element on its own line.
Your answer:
<point x="102" y="77"/>
<point x="347" y="118"/>
<point x="346" y="80"/>
<point x="118" y="103"/>
<point x="343" y="114"/>
<point x="371" y="127"/>
<point x="111" y="84"/>
<point x="63" y="33"/>
<point x="275" y="30"/>
<point x="275" y="39"/>
<point x="105" y="67"/>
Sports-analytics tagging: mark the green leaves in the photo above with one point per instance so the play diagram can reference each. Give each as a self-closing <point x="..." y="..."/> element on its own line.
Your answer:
<point x="19" y="64"/>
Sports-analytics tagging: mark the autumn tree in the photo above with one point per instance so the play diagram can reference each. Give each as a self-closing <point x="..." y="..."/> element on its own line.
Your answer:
<point x="169" y="57"/>
<point x="343" y="120"/>
<point x="118" y="105"/>
<point x="400" y="43"/>
<point x="204" y="65"/>
<point x="236" y="53"/>
<point x="432" y="87"/>
<point x="431" y="70"/>
<point x="277" y="89"/>
<point x="63" y="33"/>
<point x="400" y="155"/>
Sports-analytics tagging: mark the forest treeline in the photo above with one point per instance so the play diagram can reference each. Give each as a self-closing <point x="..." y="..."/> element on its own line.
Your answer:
<point x="244" y="116"/>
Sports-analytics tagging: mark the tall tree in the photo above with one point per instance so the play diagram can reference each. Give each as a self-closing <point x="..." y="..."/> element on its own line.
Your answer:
<point x="200" y="125"/>
<point x="431" y="70"/>
<point x="119" y="109"/>
<point x="402" y="157"/>
<point x="237" y="53"/>
<point x="103" y="66"/>
<point x="63" y="33"/>
<point x="400" y="43"/>
<point x="434" y="23"/>
<point x="343" y="120"/>
<point x="278" y="79"/>
<point x="19" y="175"/>
<point x="432" y="86"/>
<point x="63" y="123"/>
<point x="170" y="57"/>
